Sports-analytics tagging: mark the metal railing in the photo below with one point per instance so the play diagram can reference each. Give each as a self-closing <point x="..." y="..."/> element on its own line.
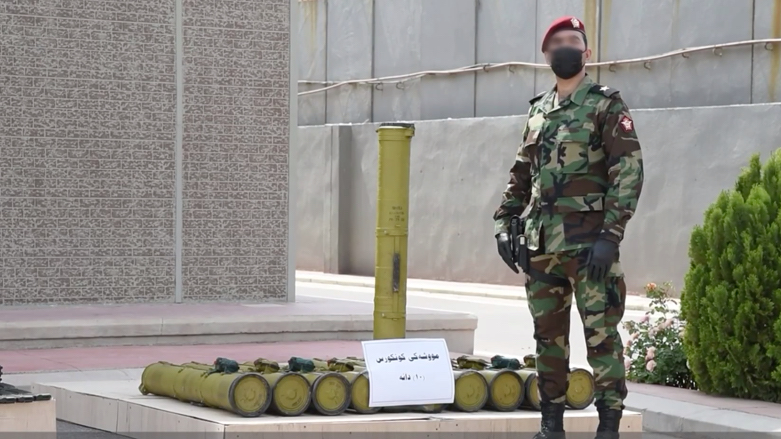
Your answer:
<point x="398" y="80"/>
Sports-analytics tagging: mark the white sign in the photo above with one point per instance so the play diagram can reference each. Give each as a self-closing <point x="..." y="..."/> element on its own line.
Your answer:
<point x="409" y="371"/>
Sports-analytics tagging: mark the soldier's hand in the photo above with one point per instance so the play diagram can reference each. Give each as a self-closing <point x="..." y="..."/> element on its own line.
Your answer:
<point x="505" y="250"/>
<point x="600" y="259"/>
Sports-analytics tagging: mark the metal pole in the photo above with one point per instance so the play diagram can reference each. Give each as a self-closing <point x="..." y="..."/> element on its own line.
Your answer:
<point x="390" y="271"/>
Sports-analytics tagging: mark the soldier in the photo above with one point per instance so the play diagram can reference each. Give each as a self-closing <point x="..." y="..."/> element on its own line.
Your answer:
<point x="579" y="171"/>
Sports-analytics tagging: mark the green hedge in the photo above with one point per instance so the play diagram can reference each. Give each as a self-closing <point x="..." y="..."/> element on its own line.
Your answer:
<point x="731" y="299"/>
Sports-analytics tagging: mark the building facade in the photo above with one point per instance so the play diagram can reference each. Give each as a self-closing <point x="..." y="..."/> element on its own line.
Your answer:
<point x="144" y="150"/>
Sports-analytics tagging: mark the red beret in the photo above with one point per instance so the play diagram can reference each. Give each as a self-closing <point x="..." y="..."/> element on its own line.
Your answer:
<point x="567" y="22"/>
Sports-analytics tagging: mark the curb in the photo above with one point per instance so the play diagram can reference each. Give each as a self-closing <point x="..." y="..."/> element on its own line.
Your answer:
<point x="465" y="293"/>
<point x="671" y="417"/>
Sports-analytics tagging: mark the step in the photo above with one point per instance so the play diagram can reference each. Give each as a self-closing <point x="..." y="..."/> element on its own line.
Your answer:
<point x="308" y="319"/>
<point x="118" y="407"/>
<point x="22" y="418"/>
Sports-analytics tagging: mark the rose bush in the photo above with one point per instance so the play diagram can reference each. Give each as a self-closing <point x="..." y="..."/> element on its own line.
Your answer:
<point x="654" y="352"/>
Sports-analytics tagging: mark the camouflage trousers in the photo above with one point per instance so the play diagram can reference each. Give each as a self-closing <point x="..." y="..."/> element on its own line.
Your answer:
<point x="550" y="308"/>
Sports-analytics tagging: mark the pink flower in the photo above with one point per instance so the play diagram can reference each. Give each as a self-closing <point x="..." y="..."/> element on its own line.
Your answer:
<point x="650" y="366"/>
<point x="627" y="363"/>
<point x="629" y="342"/>
<point x="667" y="323"/>
<point x="650" y="353"/>
<point x="650" y="287"/>
<point x="634" y="336"/>
<point x="645" y="318"/>
<point x="652" y="332"/>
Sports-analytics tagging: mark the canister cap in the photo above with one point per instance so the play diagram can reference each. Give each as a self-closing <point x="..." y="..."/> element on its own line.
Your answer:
<point x="397" y="125"/>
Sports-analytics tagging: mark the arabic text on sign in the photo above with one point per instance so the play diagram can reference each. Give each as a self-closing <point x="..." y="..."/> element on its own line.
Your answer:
<point x="415" y="377"/>
<point x="401" y="357"/>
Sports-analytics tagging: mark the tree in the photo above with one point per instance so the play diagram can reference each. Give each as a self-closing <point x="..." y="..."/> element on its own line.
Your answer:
<point x="731" y="299"/>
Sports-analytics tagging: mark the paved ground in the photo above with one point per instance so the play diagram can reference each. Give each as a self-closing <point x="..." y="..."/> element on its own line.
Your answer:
<point x="503" y="326"/>
<point x="634" y="301"/>
<point x="66" y="430"/>
<point x="129" y="357"/>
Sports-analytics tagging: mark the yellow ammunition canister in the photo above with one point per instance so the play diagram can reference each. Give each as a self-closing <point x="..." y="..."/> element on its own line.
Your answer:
<point x="532" y="399"/>
<point x="330" y="393"/>
<point x="291" y="393"/>
<point x="580" y="391"/>
<point x="246" y="394"/>
<point x="505" y="390"/>
<point x="359" y="392"/>
<point x="471" y="391"/>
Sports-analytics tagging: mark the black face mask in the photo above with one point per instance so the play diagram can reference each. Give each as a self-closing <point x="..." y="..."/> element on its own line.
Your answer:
<point x="566" y="62"/>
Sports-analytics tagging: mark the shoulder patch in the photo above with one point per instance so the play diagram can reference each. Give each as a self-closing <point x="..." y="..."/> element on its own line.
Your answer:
<point x="537" y="98"/>
<point x="604" y="91"/>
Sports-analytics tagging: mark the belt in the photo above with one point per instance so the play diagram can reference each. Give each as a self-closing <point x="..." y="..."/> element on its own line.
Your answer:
<point x="523" y="258"/>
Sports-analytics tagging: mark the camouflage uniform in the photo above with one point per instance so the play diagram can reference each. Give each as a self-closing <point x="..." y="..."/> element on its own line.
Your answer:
<point x="580" y="171"/>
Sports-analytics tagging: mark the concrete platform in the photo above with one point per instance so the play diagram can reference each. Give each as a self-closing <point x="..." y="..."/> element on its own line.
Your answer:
<point x="28" y="417"/>
<point x="118" y="407"/>
<point x="308" y="319"/>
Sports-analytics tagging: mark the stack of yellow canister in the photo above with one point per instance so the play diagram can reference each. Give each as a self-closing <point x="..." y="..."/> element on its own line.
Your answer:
<point x="331" y="387"/>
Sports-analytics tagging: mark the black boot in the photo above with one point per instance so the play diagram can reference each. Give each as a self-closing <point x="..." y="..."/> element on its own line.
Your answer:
<point x="552" y="423"/>
<point x="609" y="421"/>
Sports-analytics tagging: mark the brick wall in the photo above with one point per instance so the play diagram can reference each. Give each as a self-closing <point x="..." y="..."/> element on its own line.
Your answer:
<point x="89" y="148"/>
<point x="235" y="148"/>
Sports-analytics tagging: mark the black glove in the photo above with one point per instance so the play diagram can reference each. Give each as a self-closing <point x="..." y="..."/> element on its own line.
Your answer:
<point x="505" y="250"/>
<point x="600" y="259"/>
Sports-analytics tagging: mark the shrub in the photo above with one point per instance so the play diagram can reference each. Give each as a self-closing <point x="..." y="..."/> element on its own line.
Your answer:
<point x="654" y="352"/>
<point x="732" y="292"/>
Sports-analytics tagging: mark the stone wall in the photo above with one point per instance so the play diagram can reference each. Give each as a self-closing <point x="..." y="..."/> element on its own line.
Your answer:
<point x="144" y="150"/>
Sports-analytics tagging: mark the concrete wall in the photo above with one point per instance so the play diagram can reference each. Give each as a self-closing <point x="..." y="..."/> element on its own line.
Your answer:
<point x="359" y="39"/>
<point x="460" y="167"/>
<point x="144" y="150"/>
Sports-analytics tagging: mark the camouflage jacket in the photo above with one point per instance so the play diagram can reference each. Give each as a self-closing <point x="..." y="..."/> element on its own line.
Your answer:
<point x="579" y="168"/>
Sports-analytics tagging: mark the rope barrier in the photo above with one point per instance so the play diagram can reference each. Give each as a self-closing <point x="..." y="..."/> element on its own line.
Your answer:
<point x="400" y="79"/>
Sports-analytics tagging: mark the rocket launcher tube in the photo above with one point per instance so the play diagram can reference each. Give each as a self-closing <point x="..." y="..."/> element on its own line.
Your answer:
<point x="246" y="394"/>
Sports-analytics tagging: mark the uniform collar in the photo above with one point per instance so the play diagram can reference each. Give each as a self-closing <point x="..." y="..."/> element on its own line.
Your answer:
<point x="579" y="95"/>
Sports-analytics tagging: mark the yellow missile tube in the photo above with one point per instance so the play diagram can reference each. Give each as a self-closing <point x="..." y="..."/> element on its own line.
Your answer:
<point x="532" y="399"/>
<point x="580" y="391"/>
<point x="330" y="392"/>
<point x="291" y="393"/>
<point x="471" y="390"/>
<point x="246" y="394"/>
<point x="359" y="392"/>
<point x="390" y="272"/>
<point x="505" y="389"/>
